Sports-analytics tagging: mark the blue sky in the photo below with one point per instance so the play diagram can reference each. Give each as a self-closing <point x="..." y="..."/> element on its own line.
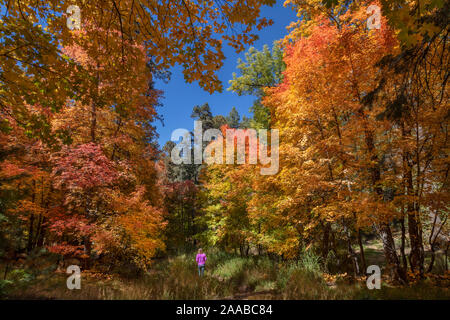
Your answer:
<point x="180" y="97"/>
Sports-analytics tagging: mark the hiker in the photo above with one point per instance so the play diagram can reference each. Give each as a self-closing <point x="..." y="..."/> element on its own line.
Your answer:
<point x="201" y="259"/>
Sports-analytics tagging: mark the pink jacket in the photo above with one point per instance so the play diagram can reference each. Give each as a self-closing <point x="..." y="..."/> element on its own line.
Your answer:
<point x="201" y="259"/>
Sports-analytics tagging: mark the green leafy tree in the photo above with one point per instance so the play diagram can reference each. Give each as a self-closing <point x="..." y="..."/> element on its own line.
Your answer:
<point x="233" y="119"/>
<point x="203" y="113"/>
<point x="219" y="121"/>
<point x="259" y="70"/>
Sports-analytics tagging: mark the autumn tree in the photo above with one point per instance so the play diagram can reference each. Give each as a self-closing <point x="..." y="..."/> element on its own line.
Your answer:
<point x="89" y="149"/>
<point x="226" y="191"/>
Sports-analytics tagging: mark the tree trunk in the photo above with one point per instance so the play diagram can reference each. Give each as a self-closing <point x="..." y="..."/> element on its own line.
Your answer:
<point x="446" y="257"/>
<point x="326" y="240"/>
<point x="434" y="234"/>
<point x="30" y="229"/>
<point x="383" y="227"/>
<point x="351" y="252"/>
<point x="402" y="246"/>
<point x="88" y="250"/>
<point x="361" y="252"/>
<point x="392" y="261"/>
<point x="93" y="121"/>
<point x="94" y="107"/>
<point x="6" y="271"/>
<point x="416" y="256"/>
<point x="38" y="230"/>
<point x="40" y="240"/>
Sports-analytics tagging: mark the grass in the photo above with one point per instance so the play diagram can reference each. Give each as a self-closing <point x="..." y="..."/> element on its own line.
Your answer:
<point x="227" y="276"/>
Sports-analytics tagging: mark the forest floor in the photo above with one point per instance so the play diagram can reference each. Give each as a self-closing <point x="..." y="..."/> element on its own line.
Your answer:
<point x="229" y="276"/>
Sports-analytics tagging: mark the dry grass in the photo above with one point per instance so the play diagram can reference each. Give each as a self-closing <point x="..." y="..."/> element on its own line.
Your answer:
<point x="227" y="276"/>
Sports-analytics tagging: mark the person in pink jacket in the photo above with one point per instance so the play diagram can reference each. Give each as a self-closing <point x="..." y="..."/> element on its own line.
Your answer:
<point x="201" y="260"/>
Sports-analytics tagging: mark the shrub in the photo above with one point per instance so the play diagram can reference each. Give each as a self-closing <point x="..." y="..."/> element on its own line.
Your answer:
<point x="309" y="261"/>
<point x="230" y="269"/>
<point x="4" y="287"/>
<point x="285" y="273"/>
<point x="305" y="284"/>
